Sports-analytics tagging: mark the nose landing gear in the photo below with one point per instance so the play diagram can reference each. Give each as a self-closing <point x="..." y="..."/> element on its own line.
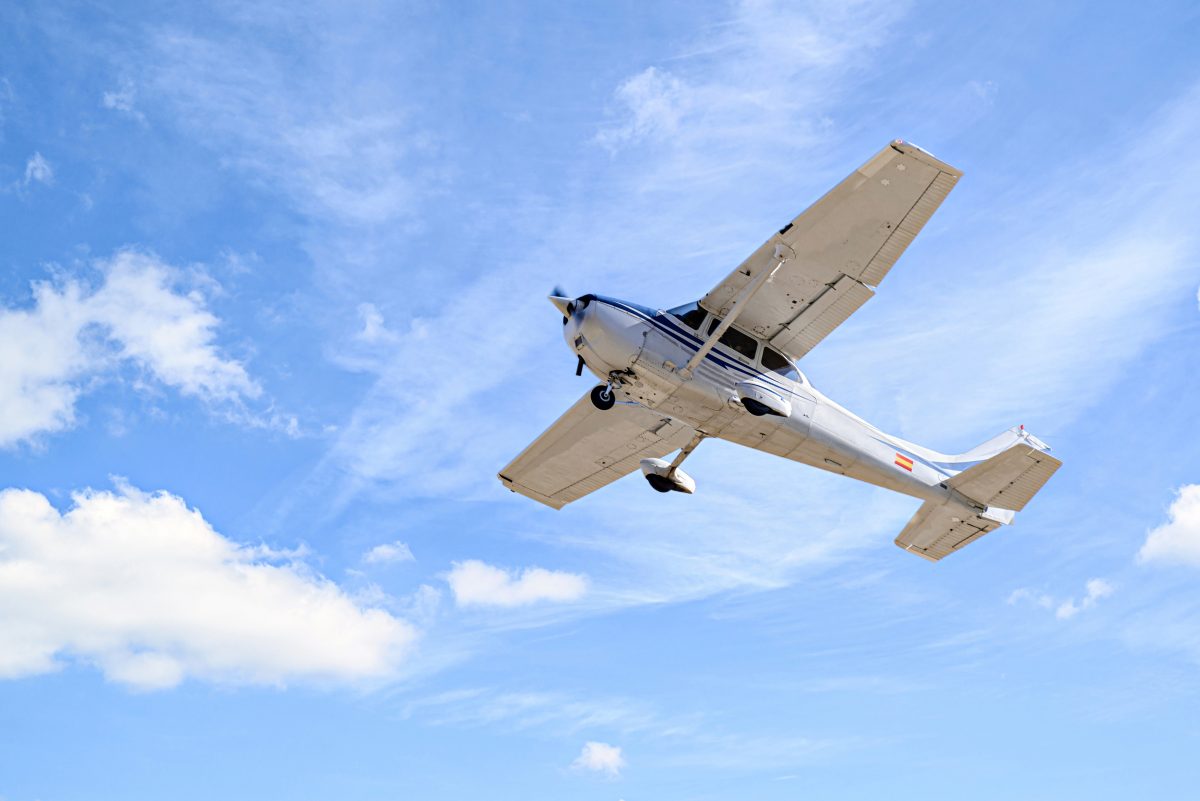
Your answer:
<point x="603" y="397"/>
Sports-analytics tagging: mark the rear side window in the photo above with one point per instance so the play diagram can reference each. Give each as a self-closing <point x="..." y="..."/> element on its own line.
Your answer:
<point x="691" y="315"/>
<point x="778" y="363"/>
<point x="737" y="341"/>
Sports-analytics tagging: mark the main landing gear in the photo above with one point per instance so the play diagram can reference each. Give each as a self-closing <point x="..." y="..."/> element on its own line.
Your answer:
<point x="666" y="476"/>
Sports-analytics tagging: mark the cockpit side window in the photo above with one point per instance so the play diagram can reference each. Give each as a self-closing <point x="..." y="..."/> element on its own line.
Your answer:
<point x="778" y="363"/>
<point x="736" y="341"/>
<point x="690" y="314"/>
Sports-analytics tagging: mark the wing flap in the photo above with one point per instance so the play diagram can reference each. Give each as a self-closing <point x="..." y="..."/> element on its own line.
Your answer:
<point x="1009" y="479"/>
<point x="829" y="310"/>
<point x="587" y="449"/>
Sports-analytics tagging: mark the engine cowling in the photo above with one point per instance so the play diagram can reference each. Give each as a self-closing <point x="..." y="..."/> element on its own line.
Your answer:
<point x="658" y="473"/>
<point x="759" y="400"/>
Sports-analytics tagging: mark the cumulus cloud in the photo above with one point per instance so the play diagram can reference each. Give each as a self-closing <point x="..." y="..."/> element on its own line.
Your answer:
<point x="73" y="332"/>
<point x="1094" y="590"/>
<point x="387" y="553"/>
<point x="142" y="587"/>
<point x="1178" y="540"/>
<point x="600" y="758"/>
<point x="476" y="583"/>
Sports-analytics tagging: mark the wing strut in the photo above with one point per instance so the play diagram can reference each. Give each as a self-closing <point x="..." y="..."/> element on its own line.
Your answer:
<point x="735" y="308"/>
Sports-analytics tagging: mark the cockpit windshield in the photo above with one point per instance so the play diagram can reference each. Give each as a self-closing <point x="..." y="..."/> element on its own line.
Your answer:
<point x="690" y="314"/>
<point x="778" y="363"/>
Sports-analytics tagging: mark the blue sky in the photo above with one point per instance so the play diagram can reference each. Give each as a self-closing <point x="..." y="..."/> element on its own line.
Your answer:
<point x="272" y="315"/>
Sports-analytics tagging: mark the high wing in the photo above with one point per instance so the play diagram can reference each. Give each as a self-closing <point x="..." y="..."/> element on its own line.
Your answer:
<point x="587" y="449"/>
<point x="838" y="249"/>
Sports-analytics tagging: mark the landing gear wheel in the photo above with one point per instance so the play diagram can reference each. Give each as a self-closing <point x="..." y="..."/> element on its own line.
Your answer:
<point x="659" y="483"/>
<point x="603" y="398"/>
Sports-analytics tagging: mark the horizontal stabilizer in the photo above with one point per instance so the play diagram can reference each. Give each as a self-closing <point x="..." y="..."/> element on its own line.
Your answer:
<point x="1009" y="479"/>
<point x="940" y="528"/>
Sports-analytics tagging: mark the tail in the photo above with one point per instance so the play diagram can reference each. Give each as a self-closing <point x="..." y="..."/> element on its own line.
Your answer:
<point x="991" y="483"/>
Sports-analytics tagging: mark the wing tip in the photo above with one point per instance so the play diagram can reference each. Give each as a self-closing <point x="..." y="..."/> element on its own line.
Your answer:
<point x="908" y="547"/>
<point x="921" y="154"/>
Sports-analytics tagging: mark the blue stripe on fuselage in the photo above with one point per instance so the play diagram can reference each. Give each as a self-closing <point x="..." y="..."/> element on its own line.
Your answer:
<point x="683" y="336"/>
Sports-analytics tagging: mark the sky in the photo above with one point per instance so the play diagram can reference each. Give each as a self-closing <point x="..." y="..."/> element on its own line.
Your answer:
<point x="272" y="315"/>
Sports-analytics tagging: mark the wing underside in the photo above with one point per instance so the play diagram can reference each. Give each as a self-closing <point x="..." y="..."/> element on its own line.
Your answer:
<point x="838" y="249"/>
<point x="587" y="449"/>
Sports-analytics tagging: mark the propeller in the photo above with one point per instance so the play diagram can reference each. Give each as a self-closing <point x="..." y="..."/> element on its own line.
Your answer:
<point x="562" y="301"/>
<point x="565" y="304"/>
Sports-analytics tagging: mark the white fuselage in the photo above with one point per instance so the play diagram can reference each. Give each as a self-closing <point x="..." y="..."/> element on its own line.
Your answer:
<point x="643" y="351"/>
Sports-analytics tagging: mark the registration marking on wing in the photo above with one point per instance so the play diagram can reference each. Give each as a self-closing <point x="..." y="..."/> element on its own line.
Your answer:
<point x="904" y="462"/>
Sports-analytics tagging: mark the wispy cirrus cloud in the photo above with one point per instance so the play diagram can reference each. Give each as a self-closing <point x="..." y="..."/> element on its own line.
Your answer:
<point x="755" y="87"/>
<point x="678" y="740"/>
<point x="350" y="156"/>
<point x="1060" y="306"/>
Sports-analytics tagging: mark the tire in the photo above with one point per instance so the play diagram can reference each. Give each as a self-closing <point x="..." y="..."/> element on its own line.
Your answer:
<point x="659" y="483"/>
<point x="602" y="398"/>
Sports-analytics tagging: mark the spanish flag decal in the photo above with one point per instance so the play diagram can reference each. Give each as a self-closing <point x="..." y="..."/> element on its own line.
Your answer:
<point x="904" y="462"/>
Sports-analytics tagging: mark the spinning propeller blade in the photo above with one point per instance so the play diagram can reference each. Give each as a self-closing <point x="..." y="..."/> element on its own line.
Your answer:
<point x="561" y="300"/>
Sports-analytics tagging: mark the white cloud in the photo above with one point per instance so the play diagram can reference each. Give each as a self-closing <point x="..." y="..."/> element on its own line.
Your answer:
<point x="388" y="553"/>
<point x="600" y="758"/>
<point x="119" y="100"/>
<point x="122" y="100"/>
<point x="655" y="102"/>
<point x="1021" y="594"/>
<point x="38" y="170"/>
<point x="142" y="587"/>
<point x="373" y="328"/>
<point x="760" y="79"/>
<point x="476" y="583"/>
<point x="73" y="332"/>
<point x="341" y="149"/>
<point x="1094" y="590"/>
<point x="1178" y="540"/>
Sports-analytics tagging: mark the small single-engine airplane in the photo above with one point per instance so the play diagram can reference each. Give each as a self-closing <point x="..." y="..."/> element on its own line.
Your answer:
<point x="725" y="367"/>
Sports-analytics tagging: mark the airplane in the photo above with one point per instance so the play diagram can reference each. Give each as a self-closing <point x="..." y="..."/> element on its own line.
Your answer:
<point x="725" y="367"/>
